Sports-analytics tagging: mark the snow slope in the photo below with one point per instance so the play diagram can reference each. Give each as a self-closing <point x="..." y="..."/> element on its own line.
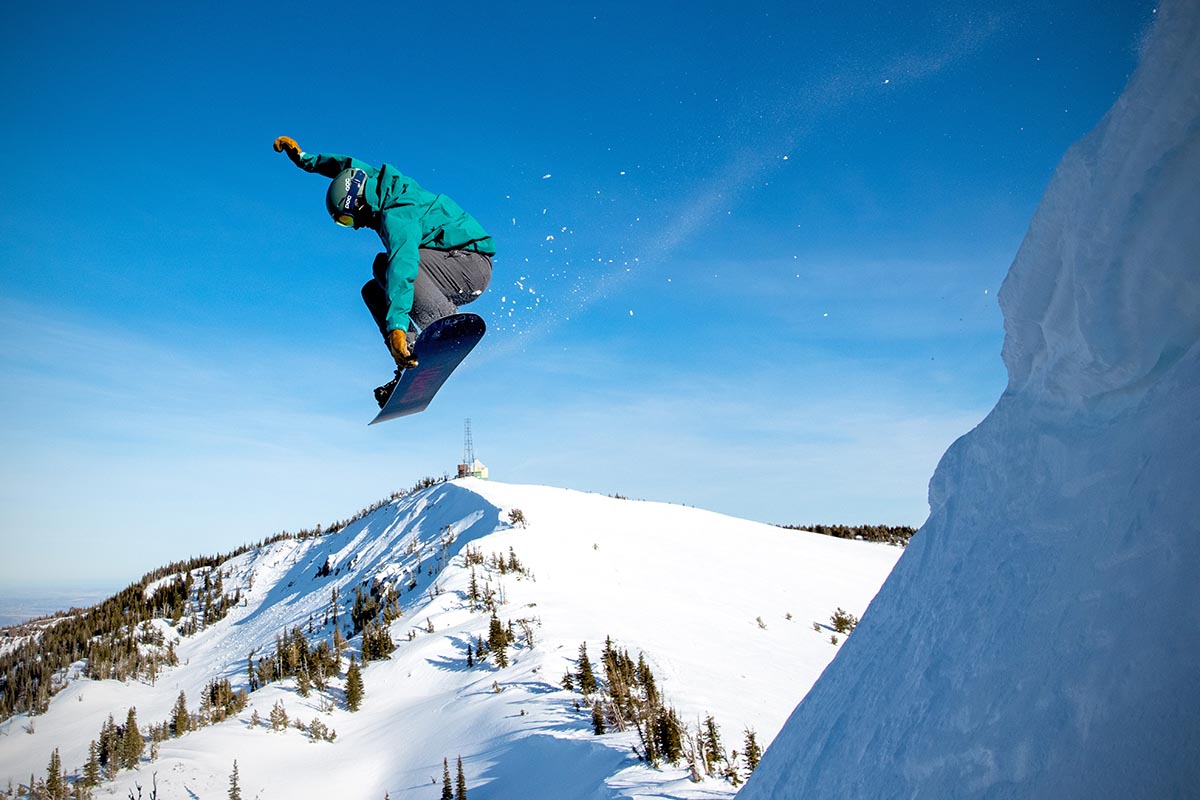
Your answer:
<point x="1041" y="635"/>
<point x="685" y="586"/>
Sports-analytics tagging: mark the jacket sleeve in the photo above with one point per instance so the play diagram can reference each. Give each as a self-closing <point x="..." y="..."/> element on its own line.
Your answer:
<point x="400" y="231"/>
<point x="330" y="164"/>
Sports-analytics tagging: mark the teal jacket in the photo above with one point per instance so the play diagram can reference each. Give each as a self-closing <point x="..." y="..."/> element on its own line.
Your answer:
<point x="406" y="217"/>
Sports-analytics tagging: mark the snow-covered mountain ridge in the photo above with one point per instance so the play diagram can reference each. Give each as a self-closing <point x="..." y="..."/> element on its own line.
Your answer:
<point x="1040" y="636"/>
<point x="723" y="610"/>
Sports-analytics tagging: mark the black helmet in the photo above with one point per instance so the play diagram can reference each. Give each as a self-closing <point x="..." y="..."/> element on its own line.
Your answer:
<point x="344" y="200"/>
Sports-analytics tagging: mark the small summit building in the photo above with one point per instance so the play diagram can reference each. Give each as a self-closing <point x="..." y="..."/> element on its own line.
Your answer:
<point x="476" y="469"/>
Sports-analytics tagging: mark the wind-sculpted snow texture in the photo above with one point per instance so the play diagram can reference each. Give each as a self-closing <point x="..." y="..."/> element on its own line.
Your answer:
<point x="1040" y="638"/>
<point x="686" y="587"/>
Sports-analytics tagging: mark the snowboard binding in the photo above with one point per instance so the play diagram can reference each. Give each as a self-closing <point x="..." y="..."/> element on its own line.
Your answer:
<point x="382" y="393"/>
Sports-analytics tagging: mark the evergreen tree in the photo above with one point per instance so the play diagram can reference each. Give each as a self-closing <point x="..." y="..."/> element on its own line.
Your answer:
<point x="597" y="719"/>
<point x="587" y="679"/>
<point x="278" y="717"/>
<point x="753" y="752"/>
<point x="303" y="684"/>
<point x="206" y="707"/>
<point x="91" y="770"/>
<point x="646" y="679"/>
<point x="460" y="783"/>
<point x="108" y="743"/>
<point x="54" y="778"/>
<point x="132" y="744"/>
<point x="711" y="737"/>
<point x="235" y="791"/>
<point x="447" y="789"/>
<point x="354" y="686"/>
<point x="339" y="646"/>
<point x="667" y="734"/>
<point x="181" y="723"/>
<point x="498" y="641"/>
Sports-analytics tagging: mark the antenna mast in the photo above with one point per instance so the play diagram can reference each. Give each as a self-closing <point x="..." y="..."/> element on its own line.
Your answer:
<point x="468" y="446"/>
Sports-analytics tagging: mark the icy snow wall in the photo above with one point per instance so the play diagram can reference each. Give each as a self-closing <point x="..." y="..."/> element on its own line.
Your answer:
<point x="1041" y="636"/>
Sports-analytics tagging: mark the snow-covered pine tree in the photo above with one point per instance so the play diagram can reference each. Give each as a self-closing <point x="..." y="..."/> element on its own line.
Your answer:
<point x="54" y="781"/>
<point x="354" y="686"/>
<point x="668" y="732"/>
<point x="91" y="770"/>
<point x="460" y="783"/>
<point x="587" y="678"/>
<point x="108" y="744"/>
<point x="597" y="719"/>
<point x="181" y="722"/>
<point x="279" y="717"/>
<point x="132" y="744"/>
<point x="251" y="673"/>
<point x="339" y="646"/>
<point x="752" y="750"/>
<point x="447" y="789"/>
<point x="498" y="641"/>
<point x="646" y="678"/>
<point x="711" y="737"/>
<point x="235" y="791"/>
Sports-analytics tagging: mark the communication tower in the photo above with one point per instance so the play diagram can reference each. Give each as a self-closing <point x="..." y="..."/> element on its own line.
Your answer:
<point x="468" y="444"/>
<point x="470" y="467"/>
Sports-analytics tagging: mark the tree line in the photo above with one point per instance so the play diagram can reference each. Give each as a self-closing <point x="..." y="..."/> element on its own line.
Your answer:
<point x="886" y="534"/>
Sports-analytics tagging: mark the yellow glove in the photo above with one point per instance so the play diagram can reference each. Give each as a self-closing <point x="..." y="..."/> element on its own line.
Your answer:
<point x="289" y="144"/>
<point x="397" y="343"/>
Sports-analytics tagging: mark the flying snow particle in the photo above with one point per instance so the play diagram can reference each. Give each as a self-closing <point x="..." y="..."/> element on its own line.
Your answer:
<point x="622" y="172"/>
<point x="547" y="175"/>
<point x="785" y="158"/>
<point x="826" y="314"/>
<point x="631" y="312"/>
<point x="887" y="81"/>
<point x="550" y="238"/>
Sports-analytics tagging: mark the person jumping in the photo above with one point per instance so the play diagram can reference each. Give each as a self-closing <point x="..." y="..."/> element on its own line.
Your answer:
<point x="438" y="257"/>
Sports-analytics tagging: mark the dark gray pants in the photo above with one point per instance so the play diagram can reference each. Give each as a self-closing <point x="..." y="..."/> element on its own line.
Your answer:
<point x="446" y="280"/>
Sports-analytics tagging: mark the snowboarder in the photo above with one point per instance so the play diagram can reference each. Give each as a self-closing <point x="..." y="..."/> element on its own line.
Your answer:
<point x="438" y="257"/>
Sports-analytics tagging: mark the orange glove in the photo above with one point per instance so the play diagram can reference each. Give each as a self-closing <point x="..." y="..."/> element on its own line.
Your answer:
<point x="397" y="343"/>
<point x="289" y="144"/>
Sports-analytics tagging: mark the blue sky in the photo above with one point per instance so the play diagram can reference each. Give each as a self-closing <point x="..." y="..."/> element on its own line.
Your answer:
<point x="748" y="253"/>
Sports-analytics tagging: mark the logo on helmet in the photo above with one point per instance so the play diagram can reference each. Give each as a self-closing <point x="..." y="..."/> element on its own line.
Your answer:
<point x="345" y="198"/>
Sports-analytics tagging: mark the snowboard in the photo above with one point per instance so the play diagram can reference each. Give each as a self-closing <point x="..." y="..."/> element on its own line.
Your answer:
<point x="439" y="349"/>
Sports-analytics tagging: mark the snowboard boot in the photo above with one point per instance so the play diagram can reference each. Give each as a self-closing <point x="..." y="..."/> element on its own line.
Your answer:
<point x="382" y="393"/>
